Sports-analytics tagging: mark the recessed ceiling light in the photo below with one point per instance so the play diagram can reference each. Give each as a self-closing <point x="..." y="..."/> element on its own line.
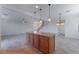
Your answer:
<point x="36" y="6"/>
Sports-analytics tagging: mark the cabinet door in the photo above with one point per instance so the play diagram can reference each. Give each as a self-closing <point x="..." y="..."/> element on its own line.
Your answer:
<point x="36" y="41"/>
<point x="31" y="38"/>
<point x="44" y="44"/>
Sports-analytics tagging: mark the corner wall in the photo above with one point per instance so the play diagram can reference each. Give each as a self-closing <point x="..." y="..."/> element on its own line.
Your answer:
<point x="71" y="26"/>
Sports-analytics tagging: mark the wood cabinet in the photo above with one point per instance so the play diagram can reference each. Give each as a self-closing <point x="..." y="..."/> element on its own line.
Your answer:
<point x="44" y="42"/>
<point x="28" y="37"/>
<point x="31" y="38"/>
<point x="36" y="41"/>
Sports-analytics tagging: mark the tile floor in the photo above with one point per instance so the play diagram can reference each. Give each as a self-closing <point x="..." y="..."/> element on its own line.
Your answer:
<point x="66" y="45"/>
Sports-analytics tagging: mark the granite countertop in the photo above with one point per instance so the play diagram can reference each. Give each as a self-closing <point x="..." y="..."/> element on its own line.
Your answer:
<point x="44" y="34"/>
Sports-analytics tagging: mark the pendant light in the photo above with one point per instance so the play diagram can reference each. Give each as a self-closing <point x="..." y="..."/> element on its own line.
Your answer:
<point x="37" y="24"/>
<point x="60" y="22"/>
<point x="40" y="16"/>
<point x="49" y="18"/>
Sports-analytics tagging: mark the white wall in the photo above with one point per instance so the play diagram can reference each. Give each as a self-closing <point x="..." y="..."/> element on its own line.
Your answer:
<point x="12" y="23"/>
<point x="0" y="21"/>
<point x="14" y="28"/>
<point x="71" y="26"/>
<point x="0" y="27"/>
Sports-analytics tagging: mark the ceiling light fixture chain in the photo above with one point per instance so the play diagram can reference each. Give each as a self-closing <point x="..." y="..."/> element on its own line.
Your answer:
<point x="40" y="13"/>
<point x="49" y="18"/>
<point x="49" y="9"/>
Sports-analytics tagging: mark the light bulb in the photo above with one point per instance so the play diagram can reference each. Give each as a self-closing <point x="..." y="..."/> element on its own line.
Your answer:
<point x="49" y="19"/>
<point x="57" y="24"/>
<point x="35" y="31"/>
<point x="40" y="21"/>
<point x="62" y="23"/>
<point x="36" y="6"/>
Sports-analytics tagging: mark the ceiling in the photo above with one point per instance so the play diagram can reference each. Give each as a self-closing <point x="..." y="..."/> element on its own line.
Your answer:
<point x="27" y="10"/>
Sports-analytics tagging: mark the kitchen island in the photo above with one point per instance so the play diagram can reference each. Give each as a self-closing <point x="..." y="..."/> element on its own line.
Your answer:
<point x="45" y="42"/>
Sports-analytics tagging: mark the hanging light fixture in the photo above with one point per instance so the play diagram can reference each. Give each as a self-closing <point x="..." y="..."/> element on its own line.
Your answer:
<point x="60" y="22"/>
<point x="49" y="18"/>
<point x="37" y="24"/>
<point x="40" y="13"/>
<point x="40" y="17"/>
